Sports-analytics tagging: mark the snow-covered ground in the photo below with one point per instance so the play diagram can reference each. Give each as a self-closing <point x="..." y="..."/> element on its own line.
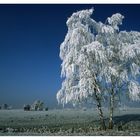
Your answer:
<point x="67" y="122"/>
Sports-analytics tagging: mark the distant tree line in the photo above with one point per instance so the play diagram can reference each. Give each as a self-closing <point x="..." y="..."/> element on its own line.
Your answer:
<point x="36" y="106"/>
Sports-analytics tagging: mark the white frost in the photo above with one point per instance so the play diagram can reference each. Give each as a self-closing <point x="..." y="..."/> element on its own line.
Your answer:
<point x="98" y="56"/>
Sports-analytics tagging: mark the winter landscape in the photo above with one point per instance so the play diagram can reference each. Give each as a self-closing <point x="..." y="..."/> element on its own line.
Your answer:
<point x="99" y="89"/>
<point x="67" y="122"/>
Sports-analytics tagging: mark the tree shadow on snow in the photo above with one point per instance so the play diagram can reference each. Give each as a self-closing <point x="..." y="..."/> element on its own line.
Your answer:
<point x="126" y="118"/>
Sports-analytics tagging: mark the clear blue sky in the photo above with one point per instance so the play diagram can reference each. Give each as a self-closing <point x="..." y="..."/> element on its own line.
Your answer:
<point x="30" y="36"/>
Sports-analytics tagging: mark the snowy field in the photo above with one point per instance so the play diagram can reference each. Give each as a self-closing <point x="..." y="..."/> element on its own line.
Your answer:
<point x="67" y="122"/>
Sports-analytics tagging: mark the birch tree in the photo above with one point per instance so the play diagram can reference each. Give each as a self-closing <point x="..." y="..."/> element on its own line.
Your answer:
<point x="122" y="68"/>
<point x="98" y="60"/>
<point x="81" y="55"/>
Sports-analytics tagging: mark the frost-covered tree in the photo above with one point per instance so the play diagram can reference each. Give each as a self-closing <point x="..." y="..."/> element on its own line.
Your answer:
<point x="122" y="69"/>
<point x="38" y="105"/>
<point x="81" y="55"/>
<point x="99" y="61"/>
<point x="108" y="36"/>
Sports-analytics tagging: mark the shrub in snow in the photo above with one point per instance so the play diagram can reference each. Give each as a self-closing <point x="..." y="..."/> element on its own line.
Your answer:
<point x="5" y="106"/>
<point x="27" y="107"/>
<point x="46" y="109"/>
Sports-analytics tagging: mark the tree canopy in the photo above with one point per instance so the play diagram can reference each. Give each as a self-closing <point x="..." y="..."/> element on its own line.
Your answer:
<point x="98" y="55"/>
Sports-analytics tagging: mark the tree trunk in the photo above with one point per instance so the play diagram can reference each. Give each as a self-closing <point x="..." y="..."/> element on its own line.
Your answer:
<point x="98" y="100"/>
<point x="102" y="121"/>
<point x="111" y="110"/>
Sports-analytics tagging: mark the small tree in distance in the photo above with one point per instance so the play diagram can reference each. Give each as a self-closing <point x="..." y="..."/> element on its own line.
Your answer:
<point x="99" y="61"/>
<point x="37" y="105"/>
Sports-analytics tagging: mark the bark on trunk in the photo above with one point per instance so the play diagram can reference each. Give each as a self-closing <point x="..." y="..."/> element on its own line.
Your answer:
<point x="111" y="110"/>
<point x="98" y="100"/>
<point x="102" y="121"/>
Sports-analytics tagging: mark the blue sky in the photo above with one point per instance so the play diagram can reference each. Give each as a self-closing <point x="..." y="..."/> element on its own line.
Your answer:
<point x="30" y="36"/>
